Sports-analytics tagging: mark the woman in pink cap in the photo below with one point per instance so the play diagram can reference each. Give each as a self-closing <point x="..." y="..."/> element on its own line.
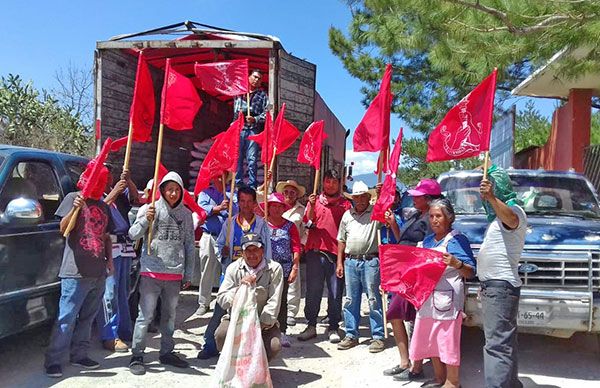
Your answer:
<point x="286" y="249"/>
<point x="413" y="231"/>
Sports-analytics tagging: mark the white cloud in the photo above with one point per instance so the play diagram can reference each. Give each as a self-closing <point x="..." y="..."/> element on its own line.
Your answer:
<point x="364" y="162"/>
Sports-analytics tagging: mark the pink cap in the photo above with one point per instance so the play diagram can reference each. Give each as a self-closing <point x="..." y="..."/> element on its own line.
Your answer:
<point x="275" y="198"/>
<point x="426" y="187"/>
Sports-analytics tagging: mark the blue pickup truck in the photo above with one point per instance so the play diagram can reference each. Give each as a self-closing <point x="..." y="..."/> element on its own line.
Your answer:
<point x="32" y="185"/>
<point x="560" y="265"/>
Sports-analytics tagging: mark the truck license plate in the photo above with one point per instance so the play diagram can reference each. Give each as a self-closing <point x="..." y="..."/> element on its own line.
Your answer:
<point x="532" y="318"/>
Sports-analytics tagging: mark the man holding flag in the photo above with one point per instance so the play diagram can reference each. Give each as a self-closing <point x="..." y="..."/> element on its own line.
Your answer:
<point x="215" y="203"/>
<point x="254" y="108"/>
<point x="323" y="215"/>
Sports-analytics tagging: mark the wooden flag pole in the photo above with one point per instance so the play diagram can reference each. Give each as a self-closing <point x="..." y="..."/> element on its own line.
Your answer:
<point x="155" y="185"/>
<point x="248" y="103"/>
<point x="230" y="210"/>
<point x="486" y="162"/>
<point x="317" y="179"/>
<point x="266" y="191"/>
<point x="128" y="149"/>
<point x="72" y="221"/>
<point x="224" y="181"/>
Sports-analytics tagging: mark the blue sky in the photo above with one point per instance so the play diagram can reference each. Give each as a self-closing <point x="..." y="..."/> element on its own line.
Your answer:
<point x="39" y="37"/>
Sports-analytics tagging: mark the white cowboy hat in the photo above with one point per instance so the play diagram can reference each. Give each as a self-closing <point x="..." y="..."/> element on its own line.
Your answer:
<point x="359" y="188"/>
<point x="290" y="182"/>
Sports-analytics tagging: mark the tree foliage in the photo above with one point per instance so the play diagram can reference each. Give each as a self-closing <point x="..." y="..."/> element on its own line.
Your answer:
<point x="531" y="128"/>
<point x="33" y="118"/>
<point x="414" y="167"/>
<point x="441" y="49"/>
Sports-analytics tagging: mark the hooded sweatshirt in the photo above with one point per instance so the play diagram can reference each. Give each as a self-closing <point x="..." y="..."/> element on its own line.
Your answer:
<point x="172" y="248"/>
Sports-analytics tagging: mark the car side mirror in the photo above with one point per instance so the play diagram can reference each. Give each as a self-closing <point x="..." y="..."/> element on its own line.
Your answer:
<point x="23" y="211"/>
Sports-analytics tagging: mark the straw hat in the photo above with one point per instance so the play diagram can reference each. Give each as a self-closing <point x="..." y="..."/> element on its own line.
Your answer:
<point x="290" y="182"/>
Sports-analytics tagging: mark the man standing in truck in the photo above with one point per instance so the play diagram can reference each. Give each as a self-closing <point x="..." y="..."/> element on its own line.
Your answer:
<point x="254" y="124"/>
<point x="497" y="270"/>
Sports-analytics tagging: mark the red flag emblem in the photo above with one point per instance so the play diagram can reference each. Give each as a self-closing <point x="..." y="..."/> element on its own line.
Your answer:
<point x="410" y="271"/>
<point x="465" y="130"/>
<point x="228" y="78"/>
<point x="311" y="144"/>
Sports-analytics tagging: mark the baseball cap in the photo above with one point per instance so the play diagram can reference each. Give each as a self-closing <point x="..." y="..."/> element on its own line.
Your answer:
<point x="251" y="239"/>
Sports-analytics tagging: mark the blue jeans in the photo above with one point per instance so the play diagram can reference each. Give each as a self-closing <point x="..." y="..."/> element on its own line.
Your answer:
<point x="210" y="344"/>
<point x="319" y="269"/>
<point x="362" y="275"/>
<point x="78" y="305"/>
<point x="150" y="290"/>
<point x="114" y="318"/>
<point x="500" y="305"/>
<point x="249" y="154"/>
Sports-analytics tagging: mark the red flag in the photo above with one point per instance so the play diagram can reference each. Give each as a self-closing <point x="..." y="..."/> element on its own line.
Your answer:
<point x="93" y="180"/>
<point x="266" y="153"/>
<point x="188" y="200"/>
<point x="388" y="190"/>
<point x="410" y="271"/>
<point x="284" y="132"/>
<point x="180" y="101"/>
<point x="118" y="144"/>
<point x="394" y="161"/>
<point x="465" y="130"/>
<point x="373" y="132"/>
<point x="222" y="156"/>
<point x="311" y="144"/>
<point x="143" y="107"/>
<point x="229" y="78"/>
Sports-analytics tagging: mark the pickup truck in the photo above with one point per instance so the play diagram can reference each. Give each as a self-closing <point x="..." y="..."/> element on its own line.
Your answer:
<point x="560" y="264"/>
<point x="32" y="185"/>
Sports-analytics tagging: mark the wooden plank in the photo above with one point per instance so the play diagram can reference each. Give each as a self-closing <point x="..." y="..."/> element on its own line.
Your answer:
<point x="244" y="44"/>
<point x="297" y="61"/>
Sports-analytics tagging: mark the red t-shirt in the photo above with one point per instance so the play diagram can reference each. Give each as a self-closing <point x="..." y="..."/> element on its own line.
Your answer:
<point x="322" y="235"/>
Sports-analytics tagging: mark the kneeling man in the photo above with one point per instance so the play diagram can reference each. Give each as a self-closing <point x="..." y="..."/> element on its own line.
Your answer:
<point x="267" y="277"/>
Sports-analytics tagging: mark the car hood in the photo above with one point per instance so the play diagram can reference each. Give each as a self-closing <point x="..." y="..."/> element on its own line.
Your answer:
<point x="540" y="230"/>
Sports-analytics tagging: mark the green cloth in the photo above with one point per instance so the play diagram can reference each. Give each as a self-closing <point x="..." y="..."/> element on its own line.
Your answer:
<point x="503" y="190"/>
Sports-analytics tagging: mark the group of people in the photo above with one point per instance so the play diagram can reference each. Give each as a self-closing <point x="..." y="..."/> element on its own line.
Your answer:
<point x="242" y="242"/>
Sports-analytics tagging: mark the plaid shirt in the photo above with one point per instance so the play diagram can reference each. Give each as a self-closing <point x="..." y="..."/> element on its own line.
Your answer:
<point x="258" y="109"/>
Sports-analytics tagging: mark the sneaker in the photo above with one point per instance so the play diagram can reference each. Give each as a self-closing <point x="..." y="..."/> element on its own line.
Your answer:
<point x="173" y="360"/>
<point x="115" y="345"/>
<point x="136" y="365"/>
<point x="347" y="343"/>
<point x="407" y="375"/>
<point x="334" y="337"/>
<point x="376" y="346"/>
<point x="308" y="333"/>
<point x="86" y="363"/>
<point x="206" y="354"/>
<point x="285" y="341"/>
<point x="54" y="371"/>
<point x="432" y="384"/>
<point x="202" y="309"/>
<point x="394" y="371"/>
<point x="291" y="321"/>
<point x="324" y="321"/>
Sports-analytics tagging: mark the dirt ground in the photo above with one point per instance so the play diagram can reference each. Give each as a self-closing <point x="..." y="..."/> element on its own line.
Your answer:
<point x="544" y="362"/>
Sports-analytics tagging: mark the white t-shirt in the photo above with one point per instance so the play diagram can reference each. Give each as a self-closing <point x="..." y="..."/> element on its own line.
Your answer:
<point x="501" y="250"/>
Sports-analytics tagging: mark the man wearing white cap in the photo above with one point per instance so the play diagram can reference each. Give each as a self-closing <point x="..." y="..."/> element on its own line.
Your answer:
<point x="291" y="191"/>
<point x="358" y="260"/>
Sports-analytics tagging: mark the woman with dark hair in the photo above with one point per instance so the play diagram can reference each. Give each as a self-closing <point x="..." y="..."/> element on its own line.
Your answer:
<point x="414" y="229"/>
<point x="439" y="320"/>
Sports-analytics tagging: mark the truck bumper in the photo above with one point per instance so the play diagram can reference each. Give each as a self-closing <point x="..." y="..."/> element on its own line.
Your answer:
<point x="558" y="313"/>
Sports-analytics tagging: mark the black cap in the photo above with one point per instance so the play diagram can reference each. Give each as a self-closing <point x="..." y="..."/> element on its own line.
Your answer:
<point x="251" y="239"/>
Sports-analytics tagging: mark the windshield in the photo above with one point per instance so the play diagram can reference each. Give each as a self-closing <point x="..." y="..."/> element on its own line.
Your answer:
<point x="550" y="195"/>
